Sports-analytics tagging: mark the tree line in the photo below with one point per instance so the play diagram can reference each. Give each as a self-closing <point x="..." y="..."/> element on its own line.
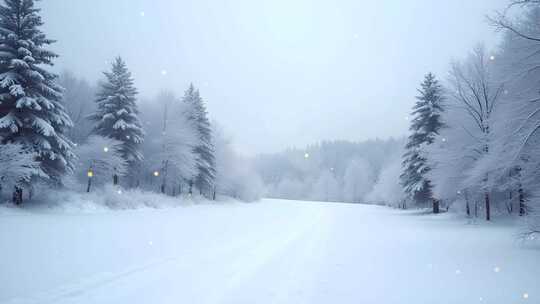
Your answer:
<point x="474" y="137"/>
<point x="63" y="132"/>
<point x="337" y="171"/>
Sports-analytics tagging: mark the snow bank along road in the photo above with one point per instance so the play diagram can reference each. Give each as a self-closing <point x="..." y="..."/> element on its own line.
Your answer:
<point x="269" y="252"/>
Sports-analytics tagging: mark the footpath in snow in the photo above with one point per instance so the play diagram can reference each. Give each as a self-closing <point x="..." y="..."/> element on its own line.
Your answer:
<point x="273" y="251"/>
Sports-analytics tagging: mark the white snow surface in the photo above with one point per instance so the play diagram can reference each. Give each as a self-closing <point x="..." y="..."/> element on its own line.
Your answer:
<point x="274" y="251"/>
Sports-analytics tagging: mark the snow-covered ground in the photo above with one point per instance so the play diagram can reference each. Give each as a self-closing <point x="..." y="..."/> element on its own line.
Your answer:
<point x="273" y="251"/>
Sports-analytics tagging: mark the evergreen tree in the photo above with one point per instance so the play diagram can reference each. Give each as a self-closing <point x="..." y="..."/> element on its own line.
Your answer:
<point x="31" y="110"/>
<point x="425" y="125"/>
<point x="117" y="113"/>
<point x="204" y="149"/>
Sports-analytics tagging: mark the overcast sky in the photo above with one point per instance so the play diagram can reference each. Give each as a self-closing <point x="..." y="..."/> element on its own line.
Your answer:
<point x="276" y="73"/>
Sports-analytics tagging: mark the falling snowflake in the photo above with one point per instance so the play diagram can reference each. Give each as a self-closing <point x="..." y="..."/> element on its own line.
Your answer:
<point x="142" y="14"/>
<point x="106" y="149"/>
<point x="163" y="72"/>
<point x="497" y="269"/>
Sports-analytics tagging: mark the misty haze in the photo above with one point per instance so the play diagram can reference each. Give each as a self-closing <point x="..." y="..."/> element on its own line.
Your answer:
<point x="269" y="151"/>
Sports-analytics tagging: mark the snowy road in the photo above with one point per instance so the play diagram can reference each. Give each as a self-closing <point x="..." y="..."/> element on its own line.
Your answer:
<point x="269" y="252"/>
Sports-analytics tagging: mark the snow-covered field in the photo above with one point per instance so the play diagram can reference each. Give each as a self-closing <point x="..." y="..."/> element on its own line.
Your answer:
<point x="269" y="252"/>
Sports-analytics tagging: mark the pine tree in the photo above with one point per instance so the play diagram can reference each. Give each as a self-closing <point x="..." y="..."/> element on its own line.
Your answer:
<point x="204" y="149"/>
<point x="31" y="109"/>
<point x="117" y="113"/>
<point x="425" y="125"/>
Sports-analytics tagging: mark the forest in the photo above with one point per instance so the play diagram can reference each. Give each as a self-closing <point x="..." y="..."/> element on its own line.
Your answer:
<point x="471" y="148"/>
<point x="62" y="132"/>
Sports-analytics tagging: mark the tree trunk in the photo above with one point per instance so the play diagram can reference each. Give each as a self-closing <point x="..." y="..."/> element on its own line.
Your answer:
<point x="190" y="187"/>
<point x="522" y="207"/>
<point x="509" y="206"/>
<point x="488" y="210"/>
<point x="115" y="179"/>
<point x="476" y="209"/>
<point x="436" y="204"/>
<point x="467" y="204"/>
<point x="18" y="196"/>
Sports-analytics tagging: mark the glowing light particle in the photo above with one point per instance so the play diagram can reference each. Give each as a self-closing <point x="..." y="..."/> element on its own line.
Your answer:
<point x="106" y="149"/>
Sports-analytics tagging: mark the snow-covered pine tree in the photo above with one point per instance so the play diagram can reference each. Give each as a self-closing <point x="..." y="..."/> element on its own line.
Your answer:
<point x="31" y="110"/>
<point x="425" y="125"/>
<point x="204" y="150"/>
<point x="117" y="113"/>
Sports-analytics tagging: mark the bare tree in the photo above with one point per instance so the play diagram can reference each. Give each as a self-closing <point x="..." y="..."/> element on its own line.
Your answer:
<point x="477" y="94"/>
<point x="501" y="21"/>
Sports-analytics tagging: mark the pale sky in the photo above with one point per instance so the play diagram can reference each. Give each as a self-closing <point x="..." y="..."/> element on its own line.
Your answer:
<point x="276" y="73"/>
